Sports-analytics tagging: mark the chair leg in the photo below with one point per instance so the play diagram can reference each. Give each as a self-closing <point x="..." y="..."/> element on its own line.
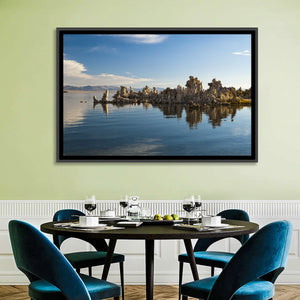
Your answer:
<point x="184" y="297"/>
<point x="117" y="298"/>
<point x="212" y="271"/>
<point x="180" y="278"/>
<point x="122" y="279"/>
<point x="90" y="271"/>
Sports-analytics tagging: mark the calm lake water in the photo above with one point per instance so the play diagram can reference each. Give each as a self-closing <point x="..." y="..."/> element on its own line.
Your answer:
<point x="146" y="130"/>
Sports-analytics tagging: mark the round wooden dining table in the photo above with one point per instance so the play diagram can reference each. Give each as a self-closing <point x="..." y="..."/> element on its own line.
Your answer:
<point x="150" y="233"/>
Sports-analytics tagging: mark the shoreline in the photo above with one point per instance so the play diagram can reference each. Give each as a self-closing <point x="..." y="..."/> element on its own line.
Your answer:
<point x="190" y="104"/>
<point x="79" y="92"/>
<point x="193" y="94"/>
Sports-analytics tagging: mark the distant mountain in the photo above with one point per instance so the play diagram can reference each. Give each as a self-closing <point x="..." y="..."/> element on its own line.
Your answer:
<point x="99" y="88"/>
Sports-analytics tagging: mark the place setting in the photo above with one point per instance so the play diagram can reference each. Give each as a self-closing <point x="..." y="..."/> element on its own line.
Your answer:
<point x="133" y="214"/>
<point x="90" y="221"/>
<point x="196" y="220"/>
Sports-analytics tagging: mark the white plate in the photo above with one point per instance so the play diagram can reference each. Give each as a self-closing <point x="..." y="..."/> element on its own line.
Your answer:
<point x="186" y="218"/>
<point x="107" y="218"/>
<point x="213" y="226"/>
<point x="88" y="226"/>
<point x="130" y="224"/>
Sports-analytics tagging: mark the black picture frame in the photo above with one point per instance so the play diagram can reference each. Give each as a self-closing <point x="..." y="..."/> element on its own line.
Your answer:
<point x="61" y="157"/>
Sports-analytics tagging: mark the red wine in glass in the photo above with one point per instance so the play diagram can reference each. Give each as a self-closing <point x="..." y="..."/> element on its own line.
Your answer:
<point x="90" y="204"/>
<point x="188" y="207"/>
<point x="90" y="207"/>
<point x="124" y="204"/>
<point x="198" y="204"/>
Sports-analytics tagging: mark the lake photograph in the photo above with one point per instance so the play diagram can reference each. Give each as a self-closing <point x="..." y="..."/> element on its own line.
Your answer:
<point x="156" y="96"/>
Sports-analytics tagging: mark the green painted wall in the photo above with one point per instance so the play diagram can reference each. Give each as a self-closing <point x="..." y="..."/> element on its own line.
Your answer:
<point x="27" y="123"/>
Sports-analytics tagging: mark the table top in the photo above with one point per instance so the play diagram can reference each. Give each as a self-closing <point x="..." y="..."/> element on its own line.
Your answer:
<point x="152" y="232"/>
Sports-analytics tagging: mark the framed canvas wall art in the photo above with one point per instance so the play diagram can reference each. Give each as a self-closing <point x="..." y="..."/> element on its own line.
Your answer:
<point x="149" y="94"/>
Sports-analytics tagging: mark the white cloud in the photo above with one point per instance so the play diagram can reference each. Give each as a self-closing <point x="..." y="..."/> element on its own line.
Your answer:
<point x="103" y="49"/>
<point x="73" y="67"/>
<point x="245" y="52"/>
<point x="241" y="132"/>
<point x="75" y="74"/>
<point x="144" y="38"/>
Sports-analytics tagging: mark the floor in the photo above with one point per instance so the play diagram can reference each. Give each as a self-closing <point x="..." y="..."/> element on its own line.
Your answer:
<point x="137" y="292"/>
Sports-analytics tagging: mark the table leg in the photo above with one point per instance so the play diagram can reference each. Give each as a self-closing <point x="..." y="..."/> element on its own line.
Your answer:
<point x="190" y="253"/>
<point x="149" y="269"/>
<point x="108" y="259"/>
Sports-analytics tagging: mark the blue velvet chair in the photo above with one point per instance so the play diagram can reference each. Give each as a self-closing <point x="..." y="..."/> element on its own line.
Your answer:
<point x="252" y="271"/>
<point x="50" y="274"/>
<point x="214" y="259"/>
<point x="87" y="259"/>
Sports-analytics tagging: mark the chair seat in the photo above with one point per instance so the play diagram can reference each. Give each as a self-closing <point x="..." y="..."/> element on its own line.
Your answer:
<point x="98" y="289"/>
<point x="254" y="290"/>
<point x="91" y="258"/>
<point x="209" y="258"/>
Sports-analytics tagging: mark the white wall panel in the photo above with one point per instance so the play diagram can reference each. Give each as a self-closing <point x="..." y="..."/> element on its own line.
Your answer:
<point x="166" y="252"/>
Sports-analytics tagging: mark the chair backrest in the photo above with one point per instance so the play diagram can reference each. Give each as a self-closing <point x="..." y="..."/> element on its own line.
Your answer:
<point x="70" y="215"/>
<point x="38" y="258"/>
<point x="232" y="214"/>
<point x="265" y="252"/>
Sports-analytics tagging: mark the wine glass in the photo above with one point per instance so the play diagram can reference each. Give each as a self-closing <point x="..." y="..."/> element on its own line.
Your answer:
<point x="198" y="205"/>
<point x="124" y="203"/>
<point x="188" y="205"/>
<point x="90" y="205"/>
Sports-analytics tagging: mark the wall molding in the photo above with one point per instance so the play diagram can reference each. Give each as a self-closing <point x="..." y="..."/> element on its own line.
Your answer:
<point x="46" y="208"/>
<point x="166" y="252"/>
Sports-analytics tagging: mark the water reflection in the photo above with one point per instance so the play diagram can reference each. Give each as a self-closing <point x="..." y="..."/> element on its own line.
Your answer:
<point x="104" y="107"/>
<point x="146" y="129"/>
<point x="219" y="113"/>
<point x="74" y="112"/>
<point x="193" y="115"/>
<point x="171" y="110"/>
<point x="117" y="105"/>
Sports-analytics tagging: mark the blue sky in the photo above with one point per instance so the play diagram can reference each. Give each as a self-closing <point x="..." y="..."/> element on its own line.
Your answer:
<point x="157" y="60"/>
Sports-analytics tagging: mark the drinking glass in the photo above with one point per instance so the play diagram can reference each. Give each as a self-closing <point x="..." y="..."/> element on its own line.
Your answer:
<point x="146" y="213"/>
<point x="90" y="205"/>
<point x="198" y="205"/>
<point x="188" y="205"/>
<point x="124" y="203"/>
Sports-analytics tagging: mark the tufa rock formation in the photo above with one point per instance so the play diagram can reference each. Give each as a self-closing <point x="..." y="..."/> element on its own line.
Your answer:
<point x="192" y="95"/>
